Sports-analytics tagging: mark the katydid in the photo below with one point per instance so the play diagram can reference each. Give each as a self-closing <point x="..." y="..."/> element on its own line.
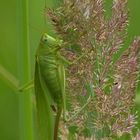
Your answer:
<point x="49" y="82"/>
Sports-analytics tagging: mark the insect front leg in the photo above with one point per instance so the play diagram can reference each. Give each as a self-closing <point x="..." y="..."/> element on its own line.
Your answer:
<point x="63" y="60"/>
<point x="68" y="63"/>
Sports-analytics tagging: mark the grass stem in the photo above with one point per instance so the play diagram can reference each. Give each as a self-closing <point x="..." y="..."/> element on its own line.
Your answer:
<point x="25" y="100"/>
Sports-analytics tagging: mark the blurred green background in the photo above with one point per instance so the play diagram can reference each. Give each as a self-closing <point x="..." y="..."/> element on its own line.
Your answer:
<point x="9" y="31"/>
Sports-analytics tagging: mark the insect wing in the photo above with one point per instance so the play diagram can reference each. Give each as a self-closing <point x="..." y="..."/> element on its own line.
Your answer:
<point x="44" y="113"/>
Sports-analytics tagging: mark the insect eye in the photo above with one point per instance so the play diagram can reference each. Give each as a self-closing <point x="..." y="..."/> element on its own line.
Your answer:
<point x="44" y="39"/>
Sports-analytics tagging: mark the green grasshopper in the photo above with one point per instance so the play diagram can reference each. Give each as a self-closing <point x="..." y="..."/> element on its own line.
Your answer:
<point x="49" y="83"/>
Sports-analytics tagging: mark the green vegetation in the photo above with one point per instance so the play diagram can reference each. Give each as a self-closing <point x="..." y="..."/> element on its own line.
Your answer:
<point x="22" y="24"/>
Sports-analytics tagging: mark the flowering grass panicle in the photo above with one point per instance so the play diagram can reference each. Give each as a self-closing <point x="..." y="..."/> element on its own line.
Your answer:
<point x="100" y="91"/>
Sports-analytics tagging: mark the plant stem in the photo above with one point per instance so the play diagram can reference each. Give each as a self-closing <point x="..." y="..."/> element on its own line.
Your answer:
<point x="79" y="111"/>
<point x="25" y="103"/>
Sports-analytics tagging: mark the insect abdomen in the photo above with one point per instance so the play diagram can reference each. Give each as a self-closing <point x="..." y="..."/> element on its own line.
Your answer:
<point x="49" y="72"/>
